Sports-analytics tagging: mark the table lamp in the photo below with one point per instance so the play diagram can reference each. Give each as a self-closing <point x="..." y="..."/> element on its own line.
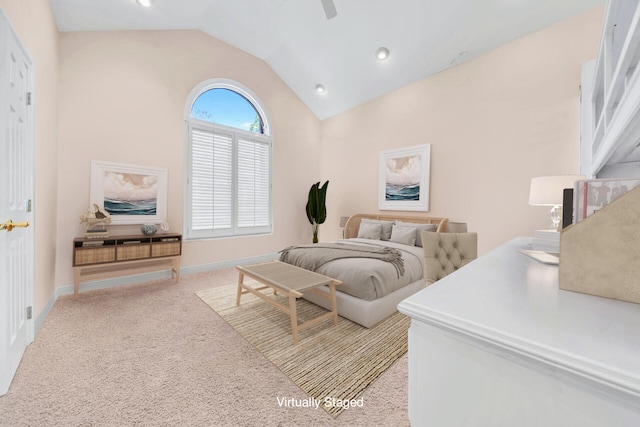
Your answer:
<point x="548" y="191"/>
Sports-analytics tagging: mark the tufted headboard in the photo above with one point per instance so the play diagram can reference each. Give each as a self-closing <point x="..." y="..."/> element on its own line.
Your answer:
<point x="353" y="223"/>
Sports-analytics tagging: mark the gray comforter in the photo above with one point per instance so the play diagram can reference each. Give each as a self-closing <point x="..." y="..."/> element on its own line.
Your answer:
<point x="312" y="257"/>
<point x="370" y="278"/>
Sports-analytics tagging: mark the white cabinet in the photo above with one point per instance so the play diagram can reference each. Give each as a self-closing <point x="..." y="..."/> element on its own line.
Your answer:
<point x="610" y="110"/>
<point x="497" y="343"/>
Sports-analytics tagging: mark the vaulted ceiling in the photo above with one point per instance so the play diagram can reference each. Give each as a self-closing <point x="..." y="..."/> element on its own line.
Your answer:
<point x="306" y="49"/>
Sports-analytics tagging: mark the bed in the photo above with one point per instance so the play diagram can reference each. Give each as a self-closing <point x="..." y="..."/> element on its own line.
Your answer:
<point x="371" y="289"/>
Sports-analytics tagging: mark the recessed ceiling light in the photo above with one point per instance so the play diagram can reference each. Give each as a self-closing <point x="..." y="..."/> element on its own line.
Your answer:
<point x="382" y="53"/>
<point x="144" y="3"/>
<point x="320" y="88"/>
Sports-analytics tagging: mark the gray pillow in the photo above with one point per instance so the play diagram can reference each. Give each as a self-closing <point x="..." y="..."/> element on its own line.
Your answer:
<point x="386" y="227"/>
<point x="405" y="235"/>
<point x="419" y="229"/>
<point x="370" y="231"/>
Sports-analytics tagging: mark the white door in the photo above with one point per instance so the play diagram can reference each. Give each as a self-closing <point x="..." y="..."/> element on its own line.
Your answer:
<point x="16" y="193"/>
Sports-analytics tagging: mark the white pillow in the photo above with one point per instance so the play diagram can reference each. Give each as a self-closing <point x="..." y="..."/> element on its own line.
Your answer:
<point x="386" y="227"/>
<point x="370" y="231"/>
<point x="419" y="229"/>
<point x="405" y="235"/>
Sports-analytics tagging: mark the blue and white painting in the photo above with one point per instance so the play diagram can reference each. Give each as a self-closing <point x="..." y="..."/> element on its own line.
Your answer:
<point x="402" y="178"/>
<point x="130" y="194"/>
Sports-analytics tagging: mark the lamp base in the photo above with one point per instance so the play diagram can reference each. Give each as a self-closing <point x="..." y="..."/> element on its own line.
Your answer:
<point x="556" y="216"/>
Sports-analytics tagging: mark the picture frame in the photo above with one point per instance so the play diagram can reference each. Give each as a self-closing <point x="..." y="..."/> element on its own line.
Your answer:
<point x="130" y="194"/>
<point x="404" y="178"/>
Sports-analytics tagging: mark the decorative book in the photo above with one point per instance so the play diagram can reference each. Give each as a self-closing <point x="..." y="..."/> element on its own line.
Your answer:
<point x="591" y="195"/>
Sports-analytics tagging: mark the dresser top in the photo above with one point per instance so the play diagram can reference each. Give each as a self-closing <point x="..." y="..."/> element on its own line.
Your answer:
<point x="509" y="300"/>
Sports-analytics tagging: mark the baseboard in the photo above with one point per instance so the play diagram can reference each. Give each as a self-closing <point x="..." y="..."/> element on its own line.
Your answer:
<point x="39" y="320"/>
<point x="145" y="277"/>
<point x="228" y="264"/>
<point x="137" y="278"/>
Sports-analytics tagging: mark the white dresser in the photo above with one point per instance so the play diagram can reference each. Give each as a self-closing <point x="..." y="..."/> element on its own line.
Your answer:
<point x="498" y="344"/>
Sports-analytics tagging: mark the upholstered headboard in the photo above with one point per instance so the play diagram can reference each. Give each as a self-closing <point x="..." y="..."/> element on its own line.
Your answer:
<point x="353" y="223"/>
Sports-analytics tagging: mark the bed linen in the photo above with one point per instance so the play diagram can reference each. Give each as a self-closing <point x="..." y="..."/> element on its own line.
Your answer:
<point x="370" y="279"/>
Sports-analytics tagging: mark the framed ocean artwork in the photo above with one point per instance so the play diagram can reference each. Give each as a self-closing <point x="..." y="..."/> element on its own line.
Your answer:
<point x="131" y="194"/>
<point x="404" y="179"/>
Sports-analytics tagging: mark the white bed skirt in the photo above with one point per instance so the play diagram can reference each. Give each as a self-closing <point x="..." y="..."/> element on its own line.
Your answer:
<point x="363" y="312"/>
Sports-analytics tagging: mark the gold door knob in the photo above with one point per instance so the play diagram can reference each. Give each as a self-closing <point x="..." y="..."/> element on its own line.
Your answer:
<point x="10" y="225"/>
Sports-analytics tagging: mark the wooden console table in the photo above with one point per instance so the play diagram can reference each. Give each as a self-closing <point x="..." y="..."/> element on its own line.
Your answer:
<point x="100" y="258"/>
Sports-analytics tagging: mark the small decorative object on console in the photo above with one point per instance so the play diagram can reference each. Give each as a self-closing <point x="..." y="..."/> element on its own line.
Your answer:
<point x="97" y="220"/>
<point x="149" y="229"/>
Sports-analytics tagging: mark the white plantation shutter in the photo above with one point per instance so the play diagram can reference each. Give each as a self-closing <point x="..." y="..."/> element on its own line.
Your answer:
<point x="229" y="184"/>
<point x="222" y="181"/>
<point x="253" y="183"/>
<point x="201" y="180"/>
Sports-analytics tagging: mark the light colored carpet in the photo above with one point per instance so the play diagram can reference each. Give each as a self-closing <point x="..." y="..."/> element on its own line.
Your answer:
<point x="152" y="354"/>
<point x="333" y="364"/>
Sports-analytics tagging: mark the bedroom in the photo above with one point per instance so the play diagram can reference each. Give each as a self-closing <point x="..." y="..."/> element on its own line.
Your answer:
<point x="493" y="123"/>
<point x="127" y="81"/>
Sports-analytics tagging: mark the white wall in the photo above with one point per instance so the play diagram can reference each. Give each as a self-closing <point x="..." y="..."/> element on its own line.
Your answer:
<point x="493" y="123"/>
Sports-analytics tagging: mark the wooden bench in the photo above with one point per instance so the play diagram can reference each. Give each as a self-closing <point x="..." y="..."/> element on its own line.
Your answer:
<point x="291" y="281"/>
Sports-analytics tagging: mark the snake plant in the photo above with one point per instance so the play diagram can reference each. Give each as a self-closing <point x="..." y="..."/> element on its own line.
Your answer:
<point x="316" y="208"/>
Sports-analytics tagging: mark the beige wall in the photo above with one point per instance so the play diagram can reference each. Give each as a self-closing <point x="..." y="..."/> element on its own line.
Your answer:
<point x="493" y="123"/>
<point x="122" y="99"/>
<point x="34" y="24"/>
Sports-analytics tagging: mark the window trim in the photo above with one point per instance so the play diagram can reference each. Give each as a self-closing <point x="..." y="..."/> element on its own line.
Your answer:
<point x="237" y="133"/>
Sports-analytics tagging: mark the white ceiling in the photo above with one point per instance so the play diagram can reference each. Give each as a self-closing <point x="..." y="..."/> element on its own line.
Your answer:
<point x="304" y="48"/>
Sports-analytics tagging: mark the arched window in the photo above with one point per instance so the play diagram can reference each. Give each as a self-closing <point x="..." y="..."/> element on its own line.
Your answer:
<point x="228" y="152"/>
<point x="227" y="107"/>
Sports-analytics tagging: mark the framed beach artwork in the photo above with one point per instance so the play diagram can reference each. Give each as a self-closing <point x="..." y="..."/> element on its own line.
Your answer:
<point x="131" y="194"/>
<point x="404" y="179"/>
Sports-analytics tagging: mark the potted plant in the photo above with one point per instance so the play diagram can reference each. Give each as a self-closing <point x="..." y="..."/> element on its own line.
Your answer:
<point x="316" y="208"/>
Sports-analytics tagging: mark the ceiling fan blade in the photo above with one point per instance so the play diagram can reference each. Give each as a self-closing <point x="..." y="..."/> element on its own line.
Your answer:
<point x="329" y="8"/>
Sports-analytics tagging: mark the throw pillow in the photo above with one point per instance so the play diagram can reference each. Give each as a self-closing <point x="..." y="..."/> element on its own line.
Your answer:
<point x="386" y="227"/>
<point x="419" y="229"/>
<point x="405" y="235"/>
<point x="370" y="231"/>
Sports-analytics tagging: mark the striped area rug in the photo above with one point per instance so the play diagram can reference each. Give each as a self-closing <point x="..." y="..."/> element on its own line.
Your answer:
<point x="332" y="364"/>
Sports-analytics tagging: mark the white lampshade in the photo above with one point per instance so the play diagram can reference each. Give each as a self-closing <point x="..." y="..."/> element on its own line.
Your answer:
<point x="548" y="190"/>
